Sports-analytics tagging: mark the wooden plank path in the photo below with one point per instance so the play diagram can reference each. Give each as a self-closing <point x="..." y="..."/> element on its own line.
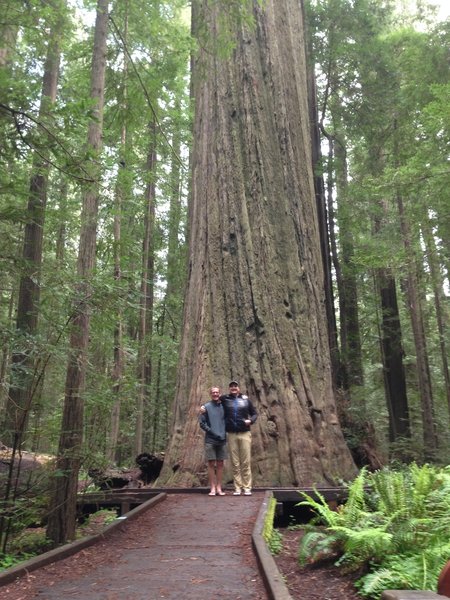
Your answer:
<point x="192" y="541"/>
<point x="189" y="546"/>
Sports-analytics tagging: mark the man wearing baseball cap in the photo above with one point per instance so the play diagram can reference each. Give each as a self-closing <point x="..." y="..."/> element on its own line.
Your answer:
<point x="240" y="414"/>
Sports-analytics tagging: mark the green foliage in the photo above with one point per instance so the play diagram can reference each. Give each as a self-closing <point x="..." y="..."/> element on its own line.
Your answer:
<point x="316" y="545"/>
<point x="29" y="542"/>
<point x="275" y="542"/>
<point x="394" y="526"/>
<point x="97" y="521"/>
<point x="271" y="535"/>
<point x="11" y="560"/>
<point x="268" y="520"/>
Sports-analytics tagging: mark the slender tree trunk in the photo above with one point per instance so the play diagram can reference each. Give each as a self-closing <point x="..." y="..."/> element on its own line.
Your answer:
<point x="342" y="376"/>
<point x="146" y="302"/>
<point x="418" y="328"/>
<point x="443" y="233"/>
<point x="255" y="302"/>
<point x="8" y="32"/>
<point x="61" y="234"/>
<point x="169" y="323"/>
<point x="348" y="297"/>
<point x="4" y="385"/>
<point x="391" y="345"/>
<point x="62" y="519"/>
<point x="120" y="192"/>
<point x="23" y="361"/>
<point x="392" y="357"/>
<point x="322" y="215"/>
<point x="441" y="308"/>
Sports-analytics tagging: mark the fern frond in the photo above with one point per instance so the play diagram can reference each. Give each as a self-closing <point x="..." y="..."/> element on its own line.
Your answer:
<point x="324" y="514"/>
<point x="365" y="545"/>
<point x="316" y="546"/>
<point x="356" y="502"/>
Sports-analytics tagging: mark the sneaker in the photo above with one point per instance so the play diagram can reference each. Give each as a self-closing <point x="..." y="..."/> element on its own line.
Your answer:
<point x="237" y="493"/>
<point x="247" y="492"/>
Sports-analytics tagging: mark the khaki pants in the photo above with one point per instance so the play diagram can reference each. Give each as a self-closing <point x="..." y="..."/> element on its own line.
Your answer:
<point x="239" y="446"/>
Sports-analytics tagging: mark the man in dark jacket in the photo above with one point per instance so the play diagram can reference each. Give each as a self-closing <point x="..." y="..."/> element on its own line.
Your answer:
<point x="212" y="421"/>
<point x="240" y="414"/>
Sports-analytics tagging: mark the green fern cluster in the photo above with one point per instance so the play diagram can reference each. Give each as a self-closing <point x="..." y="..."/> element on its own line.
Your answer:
<point x="393" y="527"/>
<point x="272" y="536"/>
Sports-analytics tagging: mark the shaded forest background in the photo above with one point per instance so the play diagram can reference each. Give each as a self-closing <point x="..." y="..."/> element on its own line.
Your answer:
<point x="95" y="138"/>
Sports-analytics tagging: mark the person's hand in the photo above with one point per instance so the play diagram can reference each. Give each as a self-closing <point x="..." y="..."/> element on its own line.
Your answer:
<point x="247" y="421"/>
<point x="202" y="409"/>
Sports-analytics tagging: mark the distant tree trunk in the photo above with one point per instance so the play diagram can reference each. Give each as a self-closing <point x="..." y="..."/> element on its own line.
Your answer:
<point x="4" y="385"/>
<point x="61" y="232"/>
<point x="168" y="324"/>
<point x="443" y="232"/>
<point x="23" y="376"/>
<point x="146" y="301"/>
<point x="392" y="357"/>
<point x="120" y="192"/>
<point x="418" y="328"/>
<point x="255" y="302"/>
<point x="348" y="297"/>
<point x="440" y="303"/>
<point x="323" y="220"/>
<point x="391" y="345"/>
<point x="342" y="375"/>
<point x="8" y="32"/>
<point x="62" y="519"/>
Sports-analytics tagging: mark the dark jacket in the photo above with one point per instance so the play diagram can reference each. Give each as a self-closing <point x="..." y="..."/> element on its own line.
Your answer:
<point x="237" y="410"/>
<point x="213" y="423"/>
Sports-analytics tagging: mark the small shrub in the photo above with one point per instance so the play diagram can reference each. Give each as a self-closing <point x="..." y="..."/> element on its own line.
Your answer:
<point x="29" y="542"/>
<point x="11" y="560"/>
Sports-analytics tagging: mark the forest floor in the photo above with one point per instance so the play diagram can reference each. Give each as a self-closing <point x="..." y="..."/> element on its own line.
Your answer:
<point x="311" y="582"/>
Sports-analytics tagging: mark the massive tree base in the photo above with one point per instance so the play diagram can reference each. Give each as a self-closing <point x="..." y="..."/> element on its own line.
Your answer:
<point x="255" y="301"/>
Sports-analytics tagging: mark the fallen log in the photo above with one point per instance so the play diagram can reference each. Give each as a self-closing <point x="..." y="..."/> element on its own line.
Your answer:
<point x="148" y="469"/>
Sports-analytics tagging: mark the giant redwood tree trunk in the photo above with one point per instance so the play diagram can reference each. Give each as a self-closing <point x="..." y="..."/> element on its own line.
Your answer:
<point x="254" y="307"/>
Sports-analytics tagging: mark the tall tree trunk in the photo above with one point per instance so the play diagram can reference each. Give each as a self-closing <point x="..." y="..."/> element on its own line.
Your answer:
<point x="23" y="361"/>
<point x="4" y="385"/>
<point x="440" y="303"/>
<point x="169" y="322"/>
<point x="62" y="519"/>
<point x="392" y="357"/>
<point x="146" y="302"/>
<point x="348" y="297"/>
<point x="8" y="31"/>
<point x="322" y="215"/>
<point x="62" y="225"/>
<point x="342" y="375"/>
<point x="254" y="307"/>
<point x="120" y="192"/>
<point x="391" y="346"/>
<point x="418" y="328"/>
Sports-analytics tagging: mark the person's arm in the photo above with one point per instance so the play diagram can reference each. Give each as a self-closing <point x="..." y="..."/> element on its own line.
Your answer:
<point x="204" y="424"/>
<point x="252" y="414"/>
<point x="203" y="419"/>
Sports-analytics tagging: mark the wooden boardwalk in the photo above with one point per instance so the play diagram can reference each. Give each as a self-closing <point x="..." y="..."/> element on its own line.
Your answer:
<point x="189" y="546"/>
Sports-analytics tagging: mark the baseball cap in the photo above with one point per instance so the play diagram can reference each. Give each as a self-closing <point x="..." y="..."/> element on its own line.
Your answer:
<point x="233" y="382"/>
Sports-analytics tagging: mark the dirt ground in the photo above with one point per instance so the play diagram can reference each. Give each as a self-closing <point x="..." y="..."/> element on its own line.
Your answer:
<point x="311" y="583"/>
